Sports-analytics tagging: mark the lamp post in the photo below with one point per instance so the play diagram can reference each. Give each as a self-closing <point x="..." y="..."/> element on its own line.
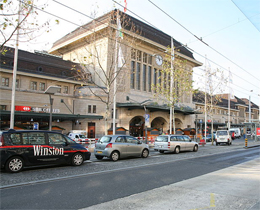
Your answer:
<point x="51" y="90"/>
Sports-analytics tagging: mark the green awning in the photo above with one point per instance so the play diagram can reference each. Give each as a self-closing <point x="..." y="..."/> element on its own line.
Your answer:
<point x="26" y="116"/>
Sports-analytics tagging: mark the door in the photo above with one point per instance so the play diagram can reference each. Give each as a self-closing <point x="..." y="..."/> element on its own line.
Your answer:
<point x="133" y="148"/>
<point x="188" y="144"/>
<point x="91" y="130"/>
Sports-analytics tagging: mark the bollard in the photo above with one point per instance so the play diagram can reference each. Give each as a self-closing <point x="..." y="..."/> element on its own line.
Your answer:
<point x="245" y="142"/>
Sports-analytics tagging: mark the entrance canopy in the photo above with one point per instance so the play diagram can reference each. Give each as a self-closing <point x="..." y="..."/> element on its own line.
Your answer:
<point x="152" y="107"/>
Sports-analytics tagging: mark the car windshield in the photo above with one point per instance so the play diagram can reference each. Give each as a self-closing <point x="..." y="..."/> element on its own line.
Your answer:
<point x="162" y="138"/>
<point x="222" y="133"/>
<point x="82" y="136"/>
<point x="105" y="139"/>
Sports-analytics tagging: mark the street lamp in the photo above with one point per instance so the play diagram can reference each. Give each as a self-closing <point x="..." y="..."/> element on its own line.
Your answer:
<point x="51" y="90"/>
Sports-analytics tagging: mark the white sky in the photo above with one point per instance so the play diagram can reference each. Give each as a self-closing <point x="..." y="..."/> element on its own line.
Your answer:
<point x="220" y="23"/>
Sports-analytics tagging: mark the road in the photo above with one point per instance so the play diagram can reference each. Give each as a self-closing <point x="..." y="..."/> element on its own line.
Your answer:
<point x="115" y="180"/>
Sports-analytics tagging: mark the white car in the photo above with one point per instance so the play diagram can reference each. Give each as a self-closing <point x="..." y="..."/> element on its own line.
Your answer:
<point x="175" y="143"/>
<point x="223" y="136"/>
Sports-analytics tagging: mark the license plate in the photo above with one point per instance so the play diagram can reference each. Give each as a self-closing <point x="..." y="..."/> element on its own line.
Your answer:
<point x="99" y="152"/>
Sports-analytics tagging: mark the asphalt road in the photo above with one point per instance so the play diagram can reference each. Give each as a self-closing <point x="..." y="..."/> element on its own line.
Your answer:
<point x="101" y="186"/>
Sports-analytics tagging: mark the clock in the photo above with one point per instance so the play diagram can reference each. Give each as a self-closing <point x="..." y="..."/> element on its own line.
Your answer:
<point x="158" y="60"/>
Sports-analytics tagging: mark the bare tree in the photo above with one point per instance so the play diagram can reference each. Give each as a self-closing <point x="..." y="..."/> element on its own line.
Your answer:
<point x="28" y="24"/>
<point x="104" y="58"/>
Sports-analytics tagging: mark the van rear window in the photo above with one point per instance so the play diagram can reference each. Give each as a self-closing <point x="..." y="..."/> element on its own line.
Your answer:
<point x="162" y="138"/>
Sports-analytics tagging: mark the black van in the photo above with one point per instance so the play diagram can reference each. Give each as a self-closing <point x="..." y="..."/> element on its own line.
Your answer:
<point x="19" y="148"/>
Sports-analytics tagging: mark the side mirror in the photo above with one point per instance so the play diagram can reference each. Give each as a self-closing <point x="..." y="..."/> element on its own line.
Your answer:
<point x="139" y="142"/>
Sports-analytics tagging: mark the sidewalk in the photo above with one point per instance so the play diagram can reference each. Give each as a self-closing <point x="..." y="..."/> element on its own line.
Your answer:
<point x="233" y="188"/>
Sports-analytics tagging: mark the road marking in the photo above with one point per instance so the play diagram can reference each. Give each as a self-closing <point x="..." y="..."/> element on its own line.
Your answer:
<point x="212" y="203"/>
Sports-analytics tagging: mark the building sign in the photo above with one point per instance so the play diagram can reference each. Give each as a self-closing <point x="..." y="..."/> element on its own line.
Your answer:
<point x="45" y="110"/>
<point x="35" y="109"/>
<point x="258" y="131"/>
<point x="23" y="108"/>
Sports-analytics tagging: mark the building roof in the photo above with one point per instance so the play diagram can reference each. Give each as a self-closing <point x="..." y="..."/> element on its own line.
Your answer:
<point x="40" y="64"/>
<point x="141" y="29"/>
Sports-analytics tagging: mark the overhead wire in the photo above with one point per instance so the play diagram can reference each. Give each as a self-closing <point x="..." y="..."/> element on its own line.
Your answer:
<point x="103" y="23"/>
<point x="203" y="41"/>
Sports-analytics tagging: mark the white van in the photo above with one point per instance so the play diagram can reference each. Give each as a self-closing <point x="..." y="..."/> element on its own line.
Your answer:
<point x="78" y="137"/>
<point x="237" y="132"/>
<point x="223" y="136"/>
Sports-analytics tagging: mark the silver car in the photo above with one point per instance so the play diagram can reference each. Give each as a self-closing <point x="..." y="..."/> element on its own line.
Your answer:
<point x="119" y="146"/>
<point x="175" y="143"/>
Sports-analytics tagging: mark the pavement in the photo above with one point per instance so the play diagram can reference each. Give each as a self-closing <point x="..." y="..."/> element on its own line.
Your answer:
<point x="233" y="188"/>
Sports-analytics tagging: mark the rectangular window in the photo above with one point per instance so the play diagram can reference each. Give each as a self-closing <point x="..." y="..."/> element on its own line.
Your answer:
<point x="155" y="79"/>
<point x="144" y="77"/>
<point x="133" y="52"/>
<point x="89" y="108"/>
<point x="138" y="72"/>
<point x="150" y="59"/>
<point x="144" y="57"/>
<point x="5" y="82"/>
<point x="149" y="78"/>
<point x="66" y="90"/>
<point x="139" y="55"/>
<point x="33" y="85"/>
<point x="159" y="77"/>
<point x="132" y="85"/>
<point x="59" y="90"/>
<point x="42" y="86"/>
<point x="3" y="107"/>
<point x="17" y="84"/>
<point x="94" y="109"/>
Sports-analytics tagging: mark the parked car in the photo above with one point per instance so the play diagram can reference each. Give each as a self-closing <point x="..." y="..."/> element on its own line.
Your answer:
<point x="209" y="137"/>
<point x="223" y="136"/>
<point x="27" y="148"/>
<point x="119" y="146"/>
<point x="175" y="143"/>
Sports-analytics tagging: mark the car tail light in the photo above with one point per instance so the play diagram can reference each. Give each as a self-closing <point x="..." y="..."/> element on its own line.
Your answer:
<point x="2" y="141"/>
<point x="169" y="144"/>
<point x="109" y="145"/>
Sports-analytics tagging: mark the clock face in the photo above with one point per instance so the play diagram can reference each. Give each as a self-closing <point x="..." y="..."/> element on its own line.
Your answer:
<point x="158" y="60"/>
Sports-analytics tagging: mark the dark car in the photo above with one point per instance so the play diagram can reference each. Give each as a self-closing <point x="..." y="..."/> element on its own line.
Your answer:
<point x="209" y="137"/>
<point x="27" y="148"/>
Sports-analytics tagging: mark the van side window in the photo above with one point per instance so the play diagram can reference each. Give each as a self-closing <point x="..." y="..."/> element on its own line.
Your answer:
<point x="56" y="138"/>
<point x="33" y="138"/>
<point x="15" y="138"/>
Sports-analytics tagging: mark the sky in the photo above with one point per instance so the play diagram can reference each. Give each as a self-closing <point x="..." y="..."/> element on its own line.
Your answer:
<point x="230" y="29"/>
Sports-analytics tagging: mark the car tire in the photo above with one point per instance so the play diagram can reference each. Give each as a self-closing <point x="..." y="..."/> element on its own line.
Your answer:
<point x="114" y="156"/>
<point x="195" y="149"/>
<point x="14" y="164"/>
<point x="177" y="150"/>
<point x="77" y="159"/>
<point x="145" y="153"/>
<point x="161" y="151"/>
<point x="99" y="157"/>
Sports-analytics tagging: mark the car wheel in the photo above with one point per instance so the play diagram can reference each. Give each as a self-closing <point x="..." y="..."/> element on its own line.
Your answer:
<point x="99" y="157"/>
<point x="77" y="159"/>
<point x="161" y="151"/>
<point x="177" y="150"/>
<point x="145" y="153"/>
<point x="14" y="164"/>
<point x="195" y="149"/>
<point x="114" y="156"/>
